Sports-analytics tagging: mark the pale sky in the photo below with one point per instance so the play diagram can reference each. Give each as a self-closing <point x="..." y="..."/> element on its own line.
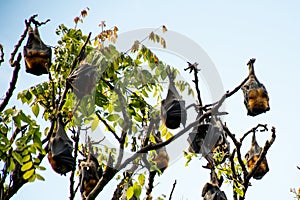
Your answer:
<point x="230" y="32"/>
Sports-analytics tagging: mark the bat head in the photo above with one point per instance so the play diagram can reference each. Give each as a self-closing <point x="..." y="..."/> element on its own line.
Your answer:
<point x="258" y="101"/>
<point x="61" y="165"/>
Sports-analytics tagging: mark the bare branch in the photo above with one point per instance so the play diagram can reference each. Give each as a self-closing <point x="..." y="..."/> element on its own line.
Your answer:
<point x="254" y="129"/>
<point x="237" y="145"/>
<point x="1" y="54"/>
<point x="76" y="139"/>
<point x="193" y="67"/>
<point x="12" y="85"/>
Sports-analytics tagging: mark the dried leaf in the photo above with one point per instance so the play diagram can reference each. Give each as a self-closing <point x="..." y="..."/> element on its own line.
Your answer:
<point x="163" y="42"/>
<point x="135" y="46"/>
<point x="76" y="19"/>
<point x="151" y="36"/>
<point x="83" y="13"/>
<point x="164" y="29"/>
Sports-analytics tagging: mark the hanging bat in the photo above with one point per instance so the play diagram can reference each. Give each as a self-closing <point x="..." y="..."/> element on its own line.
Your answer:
<point x="60" y="150"/>
<point x="196" y="138"/>
<point x="83" y="80"/>
<point x="37" y="55"/>
<point x="161" y="158"/>
<point x="256" y="97"/>
<point x="211" y="191"/>
<point x="90" y="174"/>
<point x="209" y="139"/>
<point x="252" y="156"/>
<point x="173" y="110"/>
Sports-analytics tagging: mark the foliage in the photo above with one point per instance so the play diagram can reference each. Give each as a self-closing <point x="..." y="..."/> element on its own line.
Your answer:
<point x="125" y="101"/>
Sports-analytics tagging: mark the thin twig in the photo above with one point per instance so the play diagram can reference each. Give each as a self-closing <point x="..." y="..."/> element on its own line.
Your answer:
<point x="193" y="67"/>
<point x="76" y="139"/>
<point x="107" y="125"/>
<point x="1" y="54"/>
<point x="174" y="184"/>
<point x="254" y="129"/>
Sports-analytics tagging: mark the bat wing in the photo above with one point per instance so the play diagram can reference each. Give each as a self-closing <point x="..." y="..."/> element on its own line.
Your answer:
<point x="61" y="155"/>
<point x="174" y="113"/>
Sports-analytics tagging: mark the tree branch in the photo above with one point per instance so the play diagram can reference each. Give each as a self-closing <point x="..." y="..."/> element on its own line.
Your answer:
<point x="12" y="85"/>
<point x="1" y="54"/>
<point x="107" y="125"/>
<point x="76" y="139"/>
<point x="238" y="149"/>
<point x="174" y="184"/>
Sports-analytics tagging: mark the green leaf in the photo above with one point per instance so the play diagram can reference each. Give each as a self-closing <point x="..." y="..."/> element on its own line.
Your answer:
<point x="95" y="123"/>
<point x="137" y="190"/>
<point x="28" y="174"/>
<point x="17" y="121"/>
<point x="17" y="157"/>
<point x="141" y="179"/>
<point x="129" y="193"/>
<point x="42" y="168"/>
<point x="26" y="158"/>
<point x="26" y="166"/>
<point x="11" y="165"/>
<point x="138" y="118"/>
<point x="32" y="178"/>
<point x="145" y="93"/>
<point x="113" y="117"/>
<point x="39" y="177"/>
<point x="35" y="109"/>
<point x="239" y="191"/>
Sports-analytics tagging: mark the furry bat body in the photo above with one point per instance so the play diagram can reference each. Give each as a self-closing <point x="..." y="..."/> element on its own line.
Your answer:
<point x="36" y="54"/>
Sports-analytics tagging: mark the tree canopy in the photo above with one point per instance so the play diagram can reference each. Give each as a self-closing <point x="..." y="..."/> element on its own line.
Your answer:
<point x="120" y="97"/>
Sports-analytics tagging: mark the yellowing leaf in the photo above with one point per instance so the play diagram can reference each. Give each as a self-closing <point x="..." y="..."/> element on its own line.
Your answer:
<point x="141" y="179"/>
<point x="95" y="124"/>
<point x="129" y="193"/>
<point x="28" y="174"/>
<point x="26" y="166"/>
<point x="163" y="42"/>
<point x="35" y="109"/>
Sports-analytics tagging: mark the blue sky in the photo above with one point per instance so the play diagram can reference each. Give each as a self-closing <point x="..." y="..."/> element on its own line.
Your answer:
<point x="230" y="32"/>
